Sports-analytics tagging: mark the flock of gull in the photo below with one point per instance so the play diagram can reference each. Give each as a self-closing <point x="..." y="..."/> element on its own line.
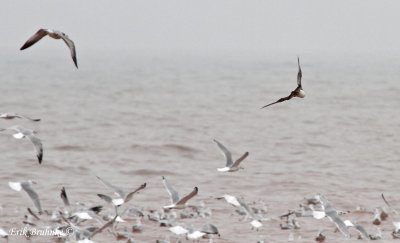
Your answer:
<point x="82" y="222"/>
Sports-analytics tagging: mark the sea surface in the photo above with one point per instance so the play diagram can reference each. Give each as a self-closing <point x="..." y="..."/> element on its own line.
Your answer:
<point x="133" y="117"/>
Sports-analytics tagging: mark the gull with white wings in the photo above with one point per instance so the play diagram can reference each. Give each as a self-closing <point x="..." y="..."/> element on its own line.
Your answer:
<point x="55" y="34"/>
<point x="27" y="186"/>
<point x="123" y="198"/>
<point x="361" y="230"/>
<point x="23" y="132"/>
<point x="177" y="203"/>
<point x="332" y="214"/>
<point x="256" y="223"/>
<point x="230" y="165"/>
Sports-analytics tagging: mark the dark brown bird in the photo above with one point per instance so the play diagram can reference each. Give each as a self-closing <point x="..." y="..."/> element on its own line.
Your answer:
<point x="298" y="92"/>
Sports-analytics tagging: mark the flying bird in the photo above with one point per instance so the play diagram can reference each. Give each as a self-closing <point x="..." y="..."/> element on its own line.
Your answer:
<point x="124" y="198"/>
<point x="230" y="165"/>
<point x="332" y="214"/>
<point x="55" y="34"/>
<point x="256" y="220"/>
<point x="177" y="203"/>
<point x="27" y="186"/>
<point x="298" y="92"/>
<point x="21" y="133"/>
<point x="9" y="116"/>
<point x="361" y="230"/>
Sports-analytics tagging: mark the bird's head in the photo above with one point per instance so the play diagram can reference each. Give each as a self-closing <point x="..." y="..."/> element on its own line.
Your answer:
<point x="301" y="94"/>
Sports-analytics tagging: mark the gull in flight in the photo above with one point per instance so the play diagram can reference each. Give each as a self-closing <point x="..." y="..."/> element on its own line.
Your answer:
<point x="363" y="234"/>
<point x="55" y="34"/>
<point x="332" y="214"/>
<point x="9" y="116"/>
<point x="256" y="220"/>
<point x="27" y="186"/>
<point x="298" y="92"/>
<point x="123" y="198"/>
<point x="177" y="203"/>
<point x="230" y="165"/>
<point x="21" y="133"/>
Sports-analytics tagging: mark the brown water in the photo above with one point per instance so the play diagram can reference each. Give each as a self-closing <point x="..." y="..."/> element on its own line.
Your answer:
<point x="132" y="118"/>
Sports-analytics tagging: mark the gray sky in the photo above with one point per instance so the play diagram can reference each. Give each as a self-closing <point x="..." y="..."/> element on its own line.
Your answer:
<point x="231" y="25"/>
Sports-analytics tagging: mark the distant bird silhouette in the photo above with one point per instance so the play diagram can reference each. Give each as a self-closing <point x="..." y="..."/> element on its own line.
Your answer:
<point x="298" y="92"/>
<point x="53" y="34"/>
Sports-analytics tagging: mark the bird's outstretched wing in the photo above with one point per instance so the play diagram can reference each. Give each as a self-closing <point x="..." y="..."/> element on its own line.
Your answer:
<point x="299" y="74"/>
<point x="237" y="162"/>
<point x="226" y="152"/>
<point x="64" y="197"/>
<point x="247" y="208"/>
<point x="21" y="116"/>
<point x="71" y="47"/>
<point x="38" y="146"/>
<point x="35" y="38"/>
<point x="189" y="196"/>
<point x="171" y="191"/>
<point x="105" y="198"/>
<point x="32" y="194"/>
<point x="130" y="195"/>
<point x="282" y="99"/>
<point x="118" y="190"/>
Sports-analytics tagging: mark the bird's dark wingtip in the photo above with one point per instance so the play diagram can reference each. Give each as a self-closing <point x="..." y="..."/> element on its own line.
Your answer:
<point x="75" y="62"/>
<point x="96" y="209"/>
